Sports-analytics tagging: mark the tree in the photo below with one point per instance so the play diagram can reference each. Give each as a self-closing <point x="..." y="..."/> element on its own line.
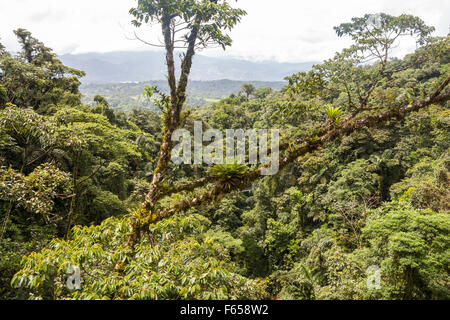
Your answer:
<point x="35" y="192"/>
<point x="349" y="73"/>
<point x="262" y="93"/>
<point x="98" y="99"/>
<point x="36" y="78"/>
<point x="190" y="25"/>
<point x="248" y="89"/>
<point x="375" y="35"/>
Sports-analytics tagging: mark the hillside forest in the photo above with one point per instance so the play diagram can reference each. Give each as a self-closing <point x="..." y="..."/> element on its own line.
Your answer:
<point x="362" y="192"/>
<point x="128" y="96"/>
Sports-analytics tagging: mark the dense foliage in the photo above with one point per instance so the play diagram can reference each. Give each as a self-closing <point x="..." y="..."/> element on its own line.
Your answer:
<point x="73" y="179"/>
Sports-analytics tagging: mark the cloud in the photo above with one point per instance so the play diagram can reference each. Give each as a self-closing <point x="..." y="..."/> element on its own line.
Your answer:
<point x="70" y="48"/>
<point x="41" y="16"/>
<point x="285" y="30"/>
<point x="298" y="31"/>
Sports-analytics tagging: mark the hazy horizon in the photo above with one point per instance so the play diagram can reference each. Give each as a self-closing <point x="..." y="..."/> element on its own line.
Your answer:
<point x="292" y="32"/>
<point x="139" y="66"/>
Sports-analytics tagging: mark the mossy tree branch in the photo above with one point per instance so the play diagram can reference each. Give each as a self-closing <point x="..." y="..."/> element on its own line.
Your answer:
<point x="217" y="191"/>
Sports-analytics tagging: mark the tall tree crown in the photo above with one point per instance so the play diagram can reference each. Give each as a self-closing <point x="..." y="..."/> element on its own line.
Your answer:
<point x="211" y="18"/>
<point x="374" y="35"/>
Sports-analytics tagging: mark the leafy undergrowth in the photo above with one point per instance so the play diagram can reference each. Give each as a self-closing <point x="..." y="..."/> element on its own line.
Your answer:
<point x="178" y="263"/>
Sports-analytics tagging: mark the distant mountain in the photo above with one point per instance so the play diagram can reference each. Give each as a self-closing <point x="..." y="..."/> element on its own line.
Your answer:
<point x="136" y="66"/>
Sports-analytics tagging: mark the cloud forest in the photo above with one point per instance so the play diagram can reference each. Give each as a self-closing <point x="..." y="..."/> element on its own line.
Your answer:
<point x="93" y="207"/>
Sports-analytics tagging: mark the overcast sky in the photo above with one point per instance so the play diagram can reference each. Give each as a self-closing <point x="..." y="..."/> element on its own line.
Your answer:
<point x="283" y="30"/>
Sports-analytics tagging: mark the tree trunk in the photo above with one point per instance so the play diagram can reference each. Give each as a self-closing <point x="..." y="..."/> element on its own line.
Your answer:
<point x="172" y="121"/>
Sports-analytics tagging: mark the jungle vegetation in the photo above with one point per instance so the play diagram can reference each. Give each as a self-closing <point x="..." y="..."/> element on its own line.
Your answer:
<point x="128" y="96"/>
<point x="363" y="181"/>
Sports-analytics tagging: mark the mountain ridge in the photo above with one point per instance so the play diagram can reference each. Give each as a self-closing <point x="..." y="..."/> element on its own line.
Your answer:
<point x="140" y="66"/>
